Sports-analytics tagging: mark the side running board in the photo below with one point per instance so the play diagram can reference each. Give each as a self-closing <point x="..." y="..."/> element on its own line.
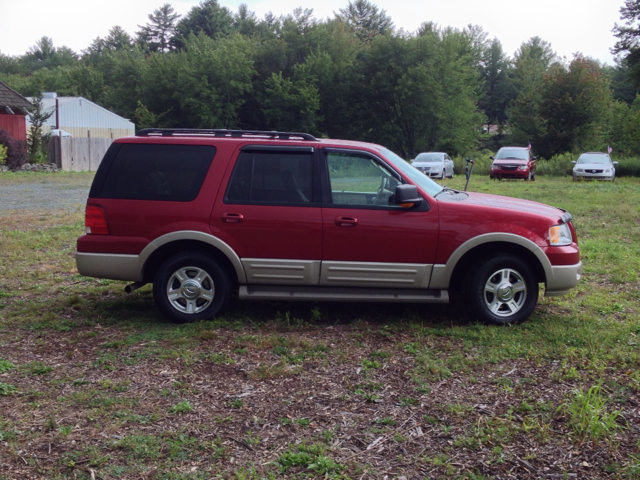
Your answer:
<point x="340" y="294"/>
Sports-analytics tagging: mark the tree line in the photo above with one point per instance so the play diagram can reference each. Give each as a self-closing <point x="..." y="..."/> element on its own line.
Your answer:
<point x="354" y="76"/>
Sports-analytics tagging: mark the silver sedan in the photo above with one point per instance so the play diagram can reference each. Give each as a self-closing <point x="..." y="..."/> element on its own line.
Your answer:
<point x="434" y="164"/>
<point x="594" y="165"/>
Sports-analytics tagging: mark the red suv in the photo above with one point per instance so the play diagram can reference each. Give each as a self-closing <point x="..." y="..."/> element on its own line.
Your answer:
<point x="287" y="216"/>
<point x="513" y="162"/>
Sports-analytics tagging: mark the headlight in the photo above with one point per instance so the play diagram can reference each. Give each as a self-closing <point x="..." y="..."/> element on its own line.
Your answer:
<point x="522" y="167"/>
<point x="494" y="167"/>
<point x="560" y="235"/>
<point x="607" y="171"/>
<point x="579" y="170"/>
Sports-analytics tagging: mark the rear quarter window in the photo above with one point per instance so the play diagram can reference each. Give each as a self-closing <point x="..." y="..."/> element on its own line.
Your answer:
<point x="172" y="173"/>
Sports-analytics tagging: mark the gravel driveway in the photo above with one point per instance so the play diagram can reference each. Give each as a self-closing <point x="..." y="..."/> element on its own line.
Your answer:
<point x="40" y="193"/>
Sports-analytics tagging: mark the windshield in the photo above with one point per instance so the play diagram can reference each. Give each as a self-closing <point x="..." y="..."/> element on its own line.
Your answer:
<point x="429" y="157"/>
<point x="416" y="176"/>
<point x="513" y="153"/>
<point x="591" y="158"/>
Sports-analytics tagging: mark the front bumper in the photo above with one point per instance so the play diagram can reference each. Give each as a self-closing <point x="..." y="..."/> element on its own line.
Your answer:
<point x="592" y="176"/>
<point x="521" y="174"/>
<point x="563" y="279"/>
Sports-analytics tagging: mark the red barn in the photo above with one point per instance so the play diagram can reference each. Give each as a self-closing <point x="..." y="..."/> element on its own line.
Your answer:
<point x="13" y="110"/>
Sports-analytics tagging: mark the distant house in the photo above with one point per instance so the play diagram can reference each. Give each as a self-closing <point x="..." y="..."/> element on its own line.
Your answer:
<point x="83" y="118"/>
<point x="13" y="111"/>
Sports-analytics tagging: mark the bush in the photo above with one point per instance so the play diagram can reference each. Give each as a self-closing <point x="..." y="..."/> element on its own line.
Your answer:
<point x="16" y="150"/>
<point x="556" y="166"/>
<point x="482" y="164"/>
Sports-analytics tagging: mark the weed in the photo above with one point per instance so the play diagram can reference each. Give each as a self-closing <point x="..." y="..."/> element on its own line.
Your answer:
<point x="7" y="389"/>
<point x="182" y="407"/>
<point x="588" y="416"/>
<point x="236" y="403"/>
<point x="386" y="421"/>
<point x="5" y="366"/>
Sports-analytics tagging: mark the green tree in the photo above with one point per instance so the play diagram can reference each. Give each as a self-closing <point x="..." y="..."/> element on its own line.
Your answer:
<point x="366" y="20"/>
<point x="117" y="39"/>
<point x="497" y="86"/>
<point x="417" y="94"/>
<point x="157" y="35"/>
<point x="628" y="43"/>
<point x="575" y="107"/>
<point x="37" y="117"/>
<point x="624" y="128"/>
<point x="208" y="18"/>
<point x="202" y="86"/>
<point x="532" y="61"/>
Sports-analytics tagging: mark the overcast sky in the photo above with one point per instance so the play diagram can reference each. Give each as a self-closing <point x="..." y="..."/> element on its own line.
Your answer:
<point x="570" y="26"/>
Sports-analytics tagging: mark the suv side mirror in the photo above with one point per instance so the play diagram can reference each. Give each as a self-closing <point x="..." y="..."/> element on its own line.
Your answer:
<point x="491" y="157"/>
<point x="533" y="158"/>
<point x="407" y="196"/>
<point x="573" y="162"/>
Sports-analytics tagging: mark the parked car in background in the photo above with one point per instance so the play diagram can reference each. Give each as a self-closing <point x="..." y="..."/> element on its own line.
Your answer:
<point x="594" y="165"/>
<point x="513" y="162"/>
<point x="434" y="164"/>
<point x="287" y="216"/>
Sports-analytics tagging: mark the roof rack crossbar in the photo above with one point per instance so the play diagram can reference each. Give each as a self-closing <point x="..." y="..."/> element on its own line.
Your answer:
<point x="220" y="132"/>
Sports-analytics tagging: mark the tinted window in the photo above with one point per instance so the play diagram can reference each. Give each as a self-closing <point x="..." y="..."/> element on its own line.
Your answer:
<point x="271" y="178"/>
<point x="157" y="172"/>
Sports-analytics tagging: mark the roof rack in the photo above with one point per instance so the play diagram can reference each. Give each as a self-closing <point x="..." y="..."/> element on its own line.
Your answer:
<point x="169" y="132"/>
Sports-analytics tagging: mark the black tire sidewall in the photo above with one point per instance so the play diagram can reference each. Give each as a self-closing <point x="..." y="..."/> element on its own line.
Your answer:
<point x="220" y="280"/>
<point x="478" y="279"/>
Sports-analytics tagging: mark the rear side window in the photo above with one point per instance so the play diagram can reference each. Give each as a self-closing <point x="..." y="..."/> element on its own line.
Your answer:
<point x="157" y="172"/>
<point x="271" y="178"/>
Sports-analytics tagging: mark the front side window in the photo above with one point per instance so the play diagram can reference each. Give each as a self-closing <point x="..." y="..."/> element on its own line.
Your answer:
<point x="271" y="178"/>
<point x="360" y="180"/>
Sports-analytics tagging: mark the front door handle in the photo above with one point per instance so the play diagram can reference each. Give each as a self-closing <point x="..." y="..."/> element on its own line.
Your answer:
<point x="231" y="217"/>
<point x="346" y="221"/>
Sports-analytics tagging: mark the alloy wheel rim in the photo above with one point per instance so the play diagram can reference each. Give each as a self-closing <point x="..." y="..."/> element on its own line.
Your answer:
<point x="190" y="290"/>
<point x="505" y="292"/>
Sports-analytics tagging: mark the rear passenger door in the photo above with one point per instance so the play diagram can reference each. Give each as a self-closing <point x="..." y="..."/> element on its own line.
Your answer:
<point x="271" y="214"/>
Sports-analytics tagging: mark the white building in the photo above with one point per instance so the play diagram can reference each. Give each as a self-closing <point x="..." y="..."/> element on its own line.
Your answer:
<point x="83" y="118"/>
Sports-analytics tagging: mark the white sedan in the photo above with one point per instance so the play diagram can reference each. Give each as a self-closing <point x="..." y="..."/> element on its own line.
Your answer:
<point x="594" y="165"/>
<point x="434" y="164"/>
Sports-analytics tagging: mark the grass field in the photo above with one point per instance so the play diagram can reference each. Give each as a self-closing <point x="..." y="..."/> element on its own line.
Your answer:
<point x="94" y="384"/>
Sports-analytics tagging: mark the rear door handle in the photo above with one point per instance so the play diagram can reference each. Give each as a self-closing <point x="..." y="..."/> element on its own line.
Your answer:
<point x="346" y="221"/>
<point x="231" y="217"/>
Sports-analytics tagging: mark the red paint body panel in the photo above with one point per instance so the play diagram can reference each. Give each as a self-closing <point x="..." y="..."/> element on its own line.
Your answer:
<point x="381" y="236"/>
<point x="16" y="125"/>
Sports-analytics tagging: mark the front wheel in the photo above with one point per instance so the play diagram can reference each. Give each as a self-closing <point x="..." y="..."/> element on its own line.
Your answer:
<point x="189" y="287"/>
<point x="502" y="290"/>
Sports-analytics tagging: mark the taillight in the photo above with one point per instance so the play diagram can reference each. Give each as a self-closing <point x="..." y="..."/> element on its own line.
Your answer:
<point x="95" y="221"/>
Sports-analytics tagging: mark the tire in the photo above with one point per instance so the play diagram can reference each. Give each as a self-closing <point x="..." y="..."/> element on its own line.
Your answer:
<point x="189" y="287"/>
<point x="528" y="177"/>
<point x="502" y="290"/>
<point x="533" y="177"/>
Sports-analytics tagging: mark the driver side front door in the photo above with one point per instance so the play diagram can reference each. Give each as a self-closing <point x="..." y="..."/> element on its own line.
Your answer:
<point x="368" y="241"/>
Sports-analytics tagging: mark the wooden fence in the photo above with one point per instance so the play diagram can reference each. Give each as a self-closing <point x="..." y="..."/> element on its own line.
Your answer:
<point x="77" y="154"/>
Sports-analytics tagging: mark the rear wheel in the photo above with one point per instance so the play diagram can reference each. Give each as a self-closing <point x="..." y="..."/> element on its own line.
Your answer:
<point x="189" y="287"/>
<point x="502" y="290"/>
